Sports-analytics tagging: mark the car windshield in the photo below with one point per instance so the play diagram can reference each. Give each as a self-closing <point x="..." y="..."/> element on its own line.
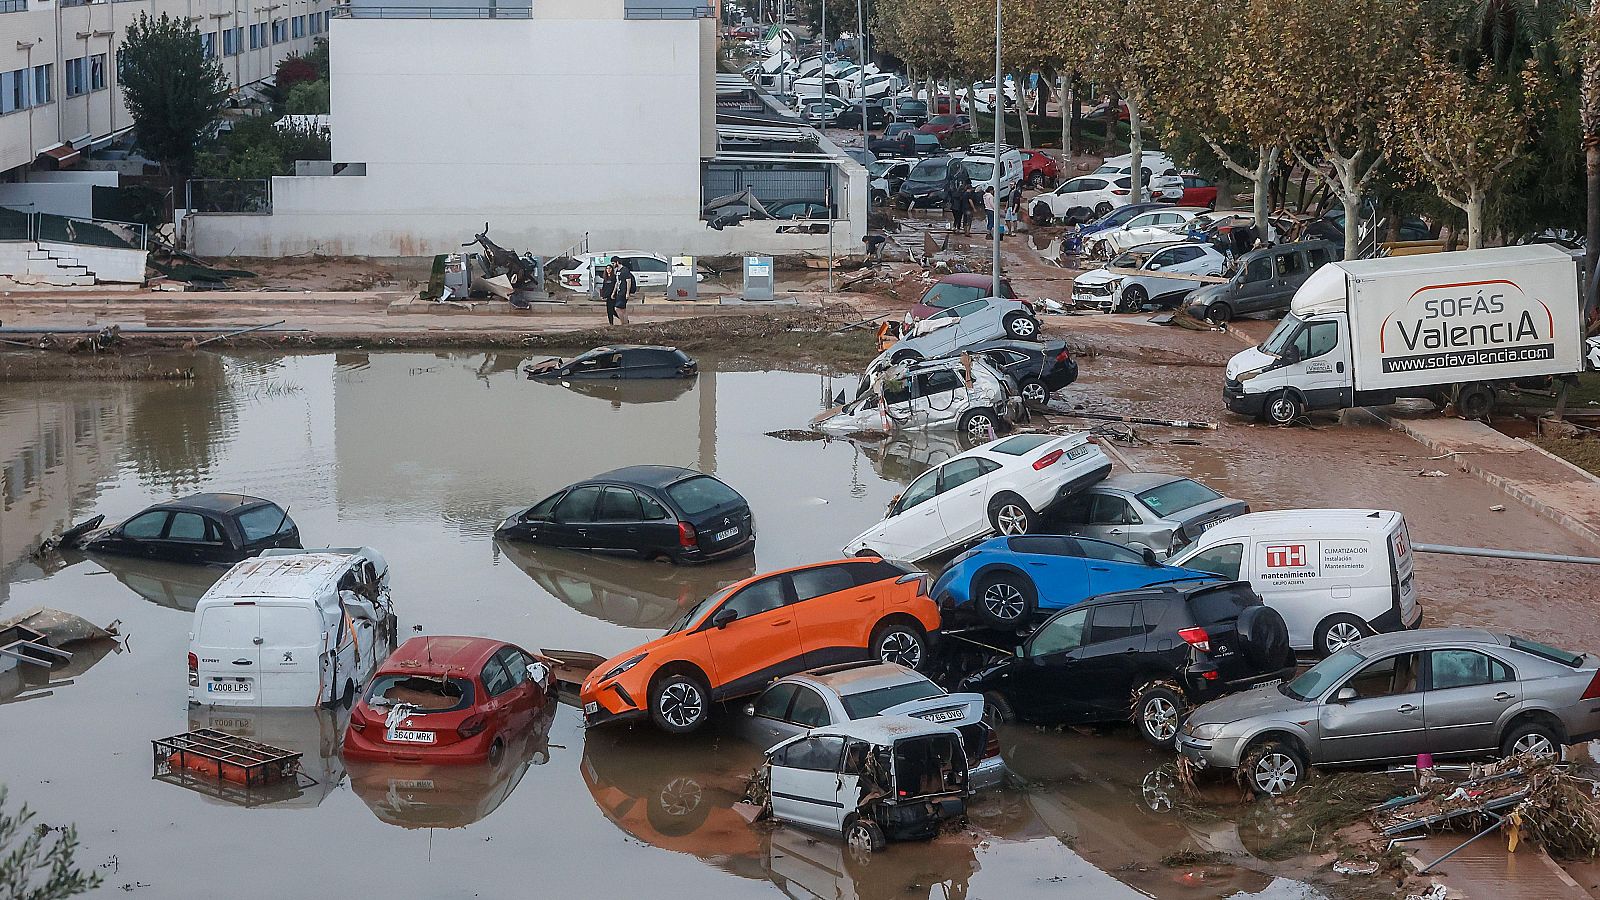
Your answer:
<point x="427" y="693"/>
<point x="870" y="703"/>
<point x="700" y="494"/>
<point x="696" y="610"/>
<point x="945" y="295"/>
<point x="979" y="171"/>
<point x="1279" y="339"/>
<point x="1313" y="681"/>
<point x="1176" y="496"/>
<point x="1132" y="259"/>
<point x="930" y="171"/>
<point x="1109" y="169"/>
<point x="1022" y="443"/>
<point x="877" y="169"/>
<point x="263" y="522"/>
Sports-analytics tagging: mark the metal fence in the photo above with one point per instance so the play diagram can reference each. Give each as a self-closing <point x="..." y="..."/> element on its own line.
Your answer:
<point x="21" y="225"/>
<point x="365" y="11"/>
<point x="768" y="181"/>
<point x="658" y="11"/>
<point x="250" y="196"/>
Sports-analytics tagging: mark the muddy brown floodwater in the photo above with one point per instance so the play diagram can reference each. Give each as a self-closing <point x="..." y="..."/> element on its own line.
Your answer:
<point x="419" y="455"/>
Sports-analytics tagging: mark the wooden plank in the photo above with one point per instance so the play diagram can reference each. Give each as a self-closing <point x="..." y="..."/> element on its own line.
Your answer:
<point x="1179" y="276"/>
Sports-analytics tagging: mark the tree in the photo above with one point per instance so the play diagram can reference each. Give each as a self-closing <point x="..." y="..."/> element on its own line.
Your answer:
<point x="173" y="92"/>
<point x="31" y="871"/>
<point x="308" y="98"/>
<point x="1587" y="28"/>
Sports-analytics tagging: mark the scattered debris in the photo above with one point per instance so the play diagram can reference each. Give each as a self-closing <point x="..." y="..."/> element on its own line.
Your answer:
<point x="797" y="434"/>
<point x="1433" y="474"/>
<point x="1062" y="410"/>
<point x="1498" y="507"/>
<point x="1369" y="867"/>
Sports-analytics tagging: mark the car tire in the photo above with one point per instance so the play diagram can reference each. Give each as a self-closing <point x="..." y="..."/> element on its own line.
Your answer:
<point x="1011" y="515"/>
<point x="1034" y="393"/>
<point x="1271" y="768"/>
<point x="1036" y="180"/>
<point x="1283" y="408"/>
<point x="1004" y="599"/>
<point x="982" y="425"/>
<point x="901" y="356"/>
<point x="679" y="704"/>
<point x="997" y="709"/>
<point x="1533" y="737"/>
<point x="862" y="838"/>
<point x="900" y="643"/>
<point x="1021" y="326"/>
<point x="1337" y="632"/>
<point x="1474" y="400"/>
<point x="1158" y="711"/>
<point x="1219" y="314"/>
<point x="1101" y="209"/>
<point x="1134" y="298"/>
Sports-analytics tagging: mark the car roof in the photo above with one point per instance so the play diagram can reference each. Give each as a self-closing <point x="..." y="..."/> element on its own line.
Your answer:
<point x="1294" y="245"/>
<point x="1029" y="347"/>
<point x="858" y="679"/>
<point x="298" y="576"/>
<point x="1179" y="588"/>
<point x="434" y="654"/>
<point x="213" y="502"/>
<point x="613" y="348"/>
<point x="648" y="476"/>
<point x="1427" y="637"/>
<point x="1134" y="482"/>
<point x="1312" y="522"/>
<point x="972" y="279"/>
<point x="883" y="730"/>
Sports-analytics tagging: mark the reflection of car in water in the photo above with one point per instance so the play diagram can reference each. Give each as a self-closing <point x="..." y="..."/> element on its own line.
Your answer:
<point x="313" y="732"/>
<point x="804" y="867"/>
<point x="413" y="795"/>
<point x="627" y="592"/>
<point x="904" y="455"/>
<point x="30" y="682"/>
<point x="163" y="583"/>
<point x="646" y="390"/>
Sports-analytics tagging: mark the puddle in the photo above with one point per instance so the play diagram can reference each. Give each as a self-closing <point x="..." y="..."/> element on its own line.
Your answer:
<point x="419" y="455"/>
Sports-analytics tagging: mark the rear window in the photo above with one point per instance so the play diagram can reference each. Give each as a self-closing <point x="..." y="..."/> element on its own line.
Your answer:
<point x="1022" y="443"/>
<point x="229" y="626"/>
<point x="870" y="703"/>
<point x="1545" y="651"/>
<point x="1177" y="496"/>
<point x="944" y="296"/>
<point x="263" y="522"/>
<point x="701" y="494"/>
<point x="427" y="693"/>
<point x="1219" y="606"/>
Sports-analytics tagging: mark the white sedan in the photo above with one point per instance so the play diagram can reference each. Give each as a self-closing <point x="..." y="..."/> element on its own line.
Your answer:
<point x="1082" y="199"/>
<point x="1110" y="291"/>
<point x="1156" y="226"/>
<point x="1001" y="487"/>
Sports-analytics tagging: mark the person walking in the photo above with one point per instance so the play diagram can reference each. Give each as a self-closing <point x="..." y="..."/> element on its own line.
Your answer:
<point x="627" y="286"/>
<point x="973" y="203"/>
<point x="608" y="291"/>
<point x="990" y="207"/>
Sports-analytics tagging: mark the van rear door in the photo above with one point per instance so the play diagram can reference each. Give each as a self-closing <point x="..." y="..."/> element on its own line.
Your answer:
<point x="291" y="656"/>
<point x="227" y="647"/>
<point x="1400" y="568"/>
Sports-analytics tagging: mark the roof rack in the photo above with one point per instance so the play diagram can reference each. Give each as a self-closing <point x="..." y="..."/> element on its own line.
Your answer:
<point x="841" y="667"/>
<point x="987" y="148"/>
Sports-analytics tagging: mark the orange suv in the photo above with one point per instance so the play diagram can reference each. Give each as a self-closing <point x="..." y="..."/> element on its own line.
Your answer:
<point x="734" y="642"/>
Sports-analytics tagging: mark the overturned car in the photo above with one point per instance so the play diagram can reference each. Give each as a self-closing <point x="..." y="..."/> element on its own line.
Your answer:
<point x="969" y="394"/>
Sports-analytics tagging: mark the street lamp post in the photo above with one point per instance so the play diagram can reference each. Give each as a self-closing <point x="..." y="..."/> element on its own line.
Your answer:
<point x="861" y="75"/>
<point x="998" y="108"/>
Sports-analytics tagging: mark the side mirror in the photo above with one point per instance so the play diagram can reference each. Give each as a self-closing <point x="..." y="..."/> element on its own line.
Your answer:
<point x="723" y="617"/>
<point x="893" y="510"/>
<point x="1150" y="557"/>
<point x="750" y="709"/>
<point x="1344" y="695"/>
<point x="539" y="674"/>
<point x="1021" y="652"/>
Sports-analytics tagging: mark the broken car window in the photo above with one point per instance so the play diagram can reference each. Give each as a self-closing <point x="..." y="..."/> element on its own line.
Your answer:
<point x="428" y="693"/>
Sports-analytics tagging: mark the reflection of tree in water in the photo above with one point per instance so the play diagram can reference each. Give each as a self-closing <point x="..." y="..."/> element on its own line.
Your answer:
<point x="176" y="429"/>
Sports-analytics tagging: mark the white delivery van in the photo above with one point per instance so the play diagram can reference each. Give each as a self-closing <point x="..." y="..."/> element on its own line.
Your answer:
<point x="291" y="628"/>
<point x="1443" y="326"/>
<point x="979" y="163"/>
<point x="1335" y="575"/>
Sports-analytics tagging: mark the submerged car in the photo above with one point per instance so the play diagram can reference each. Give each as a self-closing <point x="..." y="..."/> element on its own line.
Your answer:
<point x="1164" y="513"/>
<point x="1005" y="581"/>
<point x="1001" y="486"/>
<point x="199" y="528"/>
<point x="794" y="705"/>
<point x="1449" y="692"/>
<point x="621" y="361"/>
<point x="1146" y="655"/>
<point x="654" y="512"/>
<point x="448" y="699"/>
<point x="733" y="642"/>
<point x="934" y="395"/>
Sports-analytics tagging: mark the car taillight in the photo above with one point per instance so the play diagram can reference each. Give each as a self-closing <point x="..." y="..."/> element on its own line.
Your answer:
<point x="473" y="725"/>
<point x="1047" y="460"/>
<point x="358" y="719"/>
<point x="1592" y="692"/>
<point x="686" y="535"/>
<point x="1212" y="675"/>
<point x="1120" y="192"/>
<point x="1196" y="638"/>
<point x="921" y="578"/>
<point x="991" y="748"/>
<point x="194" y="670"/>
<point x="1064" y="356"/>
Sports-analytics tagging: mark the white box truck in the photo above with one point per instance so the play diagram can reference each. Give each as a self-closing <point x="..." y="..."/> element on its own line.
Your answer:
<point x="1445" y="326"/>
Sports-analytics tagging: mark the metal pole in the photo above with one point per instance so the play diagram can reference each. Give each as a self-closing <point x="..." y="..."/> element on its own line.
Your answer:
<point x="861" y="76"/>
<point x="998" y="109"/>
<point x="1507" y="554"/>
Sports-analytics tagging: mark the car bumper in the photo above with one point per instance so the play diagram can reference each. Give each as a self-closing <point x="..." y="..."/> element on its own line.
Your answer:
<point x="1240" y="402"/>
<point x="1094" y="301"/>
<point x="358" y="746"/>
<point x="1203" y="690"/>
<point x="697" y="555"/>
<point x="612" y="702"/>
<point x="1221" y="753"/>
<point x="1392" y="621"/>
<point x="988" y="773"/>
<point x="1076" y="484"/>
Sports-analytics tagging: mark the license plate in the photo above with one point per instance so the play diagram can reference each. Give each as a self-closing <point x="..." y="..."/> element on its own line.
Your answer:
<point x="591" y="708"/>
<point x="417" y="784"/>
<point x="725" y="534"/>
<point x="242" y="686"/>
<point x="1080" y="451"/>
<point x="943" y="715"/>
<point x="1206" y="526"/>
<point x="406" y="736"/>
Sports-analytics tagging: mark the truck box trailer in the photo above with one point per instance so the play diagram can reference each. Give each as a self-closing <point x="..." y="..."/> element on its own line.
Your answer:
<point x="1448" y="327"/>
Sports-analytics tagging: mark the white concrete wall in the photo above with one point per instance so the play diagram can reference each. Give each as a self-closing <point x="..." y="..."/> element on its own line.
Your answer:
<point x="107" y="264"/>
<point x="62" y="199"/>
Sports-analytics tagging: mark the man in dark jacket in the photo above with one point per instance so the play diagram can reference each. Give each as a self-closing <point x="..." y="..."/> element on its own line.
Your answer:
<point x="626" y="287"/>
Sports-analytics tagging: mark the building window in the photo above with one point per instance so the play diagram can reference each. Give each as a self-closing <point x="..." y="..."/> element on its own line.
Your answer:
<point x="97" y="72"/>
<point x="43" y="77"/>
<point x="299" y="23"/>
<point x="257" y="35"/>
<point x="13" y="6"/>
<point x="77" y="76"/>
<point x="232" y="41"/>
<point x="280" y="30"/>
<point x="13" y="91"/>
<point x="208" y="44"/>
<point x="316" y="23"/>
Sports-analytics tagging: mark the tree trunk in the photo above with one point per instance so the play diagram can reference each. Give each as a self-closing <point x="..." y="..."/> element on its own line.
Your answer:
<point x="1135" y="148"/>
<point x="1064" y="97"/>
<point x="1022" y="111"/>
<point x="1474" y="208"/>
<point x="1591" y="158"/>
<point x="1266" y="163"/>
<point x="1350" y="193"/>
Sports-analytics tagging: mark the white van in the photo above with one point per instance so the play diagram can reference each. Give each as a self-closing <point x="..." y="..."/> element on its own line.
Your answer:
<point x="1335" y="575"/>
<point x="291" y="628"/>
<point x="979" y="163"/>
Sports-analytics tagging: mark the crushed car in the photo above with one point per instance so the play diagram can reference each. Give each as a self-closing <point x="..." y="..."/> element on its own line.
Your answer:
<point x="969" y="394"/>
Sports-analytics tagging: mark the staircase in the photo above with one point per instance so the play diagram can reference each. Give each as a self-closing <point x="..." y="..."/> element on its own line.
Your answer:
<point x="29" y="262"/>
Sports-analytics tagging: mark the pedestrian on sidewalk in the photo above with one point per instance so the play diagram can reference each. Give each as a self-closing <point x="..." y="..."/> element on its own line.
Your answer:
<point x="608" y="291"/>
<point x="627" y="286"/>
<point x="989" y="208"/>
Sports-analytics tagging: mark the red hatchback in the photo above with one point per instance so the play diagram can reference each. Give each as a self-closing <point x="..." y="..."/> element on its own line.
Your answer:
<point x="447" y="699"/>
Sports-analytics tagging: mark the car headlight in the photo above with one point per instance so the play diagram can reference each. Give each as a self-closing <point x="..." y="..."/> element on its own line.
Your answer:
<point x="1205" y="732"/>
<point x="623" y="666"/>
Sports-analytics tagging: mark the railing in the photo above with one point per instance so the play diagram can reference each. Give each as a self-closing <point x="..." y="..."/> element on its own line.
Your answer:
<point x="668" y="12"/>
<point x="249" y="196"/>
<point x="21" y="225"/>
<point x="364" y="11"/>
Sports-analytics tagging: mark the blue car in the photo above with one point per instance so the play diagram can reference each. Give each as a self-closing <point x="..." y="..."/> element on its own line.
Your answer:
<point x="1005" y="581"/>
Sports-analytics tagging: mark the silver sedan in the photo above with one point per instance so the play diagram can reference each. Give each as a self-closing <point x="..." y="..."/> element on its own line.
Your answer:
<point x="1442" y="691"/>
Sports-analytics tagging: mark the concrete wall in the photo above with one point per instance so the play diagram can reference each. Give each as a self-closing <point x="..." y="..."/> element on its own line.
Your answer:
<point x="108" y="264"/>
<point x="62" y="199"/>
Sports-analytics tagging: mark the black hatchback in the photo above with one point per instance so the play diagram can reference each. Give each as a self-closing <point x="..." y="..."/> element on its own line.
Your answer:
<point x="1038" y="369"/>
<point x="621" y="361"/>
<point x="1149" y="655"/>
<point x="647" y="511"/>
<point x="200" y="528"/>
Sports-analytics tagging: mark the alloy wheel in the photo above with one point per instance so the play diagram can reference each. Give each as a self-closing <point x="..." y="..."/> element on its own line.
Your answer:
<point x="1004" y="601"/>
<point x="1536" y="744"/>
<point x="681" y="704"/>
<point x="1022" y="328"/>
<point x="1275" y="773"/>
<point x="1034" y="393"/>
<point x="1282" y="410"/>
<point x="859" y="842"/>
<point x="1011" y="519"/>
<point x="1342" y="635"/>
<point x="1161" y="719"/>
<point x="901" y="648"/>
<point x="980" y="426"/>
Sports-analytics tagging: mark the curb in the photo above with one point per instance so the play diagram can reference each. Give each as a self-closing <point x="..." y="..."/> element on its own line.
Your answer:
<point x="1514" y="489"/>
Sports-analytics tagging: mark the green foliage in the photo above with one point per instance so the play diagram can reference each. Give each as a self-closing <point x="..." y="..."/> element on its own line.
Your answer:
<point x="257" y="148"/>
<point x="30" y="870"/>
<point x="308" y="98"/>
<point x="173" y="92"/>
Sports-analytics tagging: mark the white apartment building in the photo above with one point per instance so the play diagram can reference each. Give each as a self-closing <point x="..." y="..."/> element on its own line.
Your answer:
<point x="555" y="122"/>
<point x="59" y="96"/>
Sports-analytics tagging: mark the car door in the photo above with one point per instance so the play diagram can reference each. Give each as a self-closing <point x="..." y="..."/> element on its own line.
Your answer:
<point x="1326" y="360"/>
<point x="964" y="497"/>
<point x="1385" y="719"/>
<point x="617" y="521"/>
<point x="141" y="535"/>
<point x="500" y="686"/>
<point x="1110" y="518"/>
<point x="1109" y="658"/>
<point x="938" y="398"/>
<point x="1173" y="259"/>
<point x="1139" y="230"/>
<point x="1056" y="567"/>
<point x="195" y="538"/>
<point x="227" y="645"/>
<point x="914" y="530"/>
<point x="830" y="610"/>
<point x="648" y="271"/>
<point x="1290" y="269"/>
<point x="1256" y="286"/>
<point x="1468" y="691"/>
<point x="1043" y="685"/>
<point x="768" y="722"/>
<point x="807" y="787"/>
<point x="760" y="643"/>
<point x="1113" y="567"/>
<point x="1077" y="192"/>
<point x="573" y="519"/>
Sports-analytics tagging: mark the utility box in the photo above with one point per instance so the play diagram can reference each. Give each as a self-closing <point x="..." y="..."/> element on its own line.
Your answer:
<point x="758" y="279"/>
<point x="681" y="283"/>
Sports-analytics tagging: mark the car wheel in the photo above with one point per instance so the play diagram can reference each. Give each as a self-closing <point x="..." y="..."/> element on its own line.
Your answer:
<point x="497" y="752"/>
<point x="1005" y="599"/>
<point x="1011" y="515"/>
<point x="1338" y="632"/>
<point x="1022" y="327"/>
<point x="1219" y="314"/>
<point x="1134" y="298"/>
<point x="679" y="704"/>
<point x="1158" y="711"/>
<point x="997" y="709"/>
<point x="1101" y="209"/>
<point x="980" y="424"/>
<point x="1284" y="408"/>
<point x="1040" y="214"/>
<point x="898" y="643"/>
<point x="1272" y="768"/>
<point x="1535" y="738"/>
<point x="901" y="356"/>
<point x="1034" y="393"/>
<point x="1474" y="401"/>
<point x="862" y="838"/>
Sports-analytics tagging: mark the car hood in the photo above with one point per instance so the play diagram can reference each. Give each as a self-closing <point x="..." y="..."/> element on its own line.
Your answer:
<point x="1246" y="360"/>
<point x="1207" y="293"/>
<point x="1097" y="276"/>
<point x="1262" y="700"/>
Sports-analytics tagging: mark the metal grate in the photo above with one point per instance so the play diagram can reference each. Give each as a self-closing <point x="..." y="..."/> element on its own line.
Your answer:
<point x="228" y="767"/>
<point x="768" y="181"/>
<point x="230" y="195"/>
<point x="364" y="11"/>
